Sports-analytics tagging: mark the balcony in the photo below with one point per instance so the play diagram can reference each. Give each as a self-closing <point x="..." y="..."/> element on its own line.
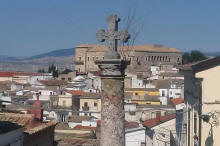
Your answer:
<point x="77" y="62"/>
<point x="85" y="108"/>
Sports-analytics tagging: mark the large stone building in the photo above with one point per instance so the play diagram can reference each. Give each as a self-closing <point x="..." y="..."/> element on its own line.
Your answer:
<point x="141" y="57"/>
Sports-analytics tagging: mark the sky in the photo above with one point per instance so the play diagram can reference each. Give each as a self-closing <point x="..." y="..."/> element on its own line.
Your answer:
<point x="31" y="27"/>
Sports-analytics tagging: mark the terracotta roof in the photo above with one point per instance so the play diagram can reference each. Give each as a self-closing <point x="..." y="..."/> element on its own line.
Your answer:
<point x="201" y="65"/>
<point x="75" y="92"/>
<point x="131" y="125"/>
<point x="91" y="95"/>
<point x="156" y="121"/>
<point x="53" y="82"/>
<point x="12" y="74"/>
<point x="140" y="48"/>
<point x="20" y="119"/>
<point x="25" y="121"/>
<point x="80" y="127"/>
<point x="177" y="101"/>
<point x="79" y="119"/>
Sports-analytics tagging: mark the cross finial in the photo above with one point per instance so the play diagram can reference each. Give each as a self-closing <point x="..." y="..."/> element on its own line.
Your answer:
<point x="112" y="36"/>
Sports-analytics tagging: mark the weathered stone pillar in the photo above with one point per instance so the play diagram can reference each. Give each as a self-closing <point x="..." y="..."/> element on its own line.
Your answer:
<point x="112" y="114"/>
<point x="112" y="81"/>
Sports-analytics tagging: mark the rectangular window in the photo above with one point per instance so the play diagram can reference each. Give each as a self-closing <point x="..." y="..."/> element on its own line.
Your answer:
<point x="86" y="104"/>
<point x="80" y="58"/>
<point x="93" y="58"/>
<point x="95" y="104"/>
<point x="88" y="58"/>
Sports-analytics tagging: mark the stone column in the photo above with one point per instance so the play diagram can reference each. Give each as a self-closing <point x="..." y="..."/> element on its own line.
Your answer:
<point x="112" y="80"/>
<point x="112" y="112"/>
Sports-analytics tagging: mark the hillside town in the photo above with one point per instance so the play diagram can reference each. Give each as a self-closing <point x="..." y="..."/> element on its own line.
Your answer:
<point x="115" y="95"/>
<point x="166" y="103"/>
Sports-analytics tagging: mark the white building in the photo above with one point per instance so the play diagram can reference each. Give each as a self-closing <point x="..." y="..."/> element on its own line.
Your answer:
<point x="134" y="135"/>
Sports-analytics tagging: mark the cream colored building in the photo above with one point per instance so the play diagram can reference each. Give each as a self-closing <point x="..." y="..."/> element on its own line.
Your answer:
<point x="67" y="77"/>
<point x="202" y="98"/>
<point x="65" y="101"/>
<point x="90" y="105"/>
<point x="141" y="57"/>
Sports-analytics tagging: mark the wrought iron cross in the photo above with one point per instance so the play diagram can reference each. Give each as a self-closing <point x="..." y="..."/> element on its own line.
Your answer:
<point x="113" y="35"/>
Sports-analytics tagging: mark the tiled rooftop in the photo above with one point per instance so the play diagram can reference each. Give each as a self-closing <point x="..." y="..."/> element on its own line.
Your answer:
<point x="53" y="82"/>
<point x="156" y="121"/>
<point x="177" y="101"/>
<point x="141" y="48"/>
<point x="12" y="74"/>
<point x="75" y="92"/>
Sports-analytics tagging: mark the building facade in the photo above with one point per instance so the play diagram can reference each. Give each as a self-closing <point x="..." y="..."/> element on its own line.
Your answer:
<point x="202" y="102"/>
<point x="140" y="57"/>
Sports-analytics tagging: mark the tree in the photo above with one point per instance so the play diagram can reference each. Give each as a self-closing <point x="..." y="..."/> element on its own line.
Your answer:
<point x="193" y="56"/>
<point x="41" y="70"/>
<point x="53" y="69"/>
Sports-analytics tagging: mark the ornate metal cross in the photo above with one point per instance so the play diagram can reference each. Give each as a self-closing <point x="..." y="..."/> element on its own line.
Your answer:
<point x="113" y="35"/>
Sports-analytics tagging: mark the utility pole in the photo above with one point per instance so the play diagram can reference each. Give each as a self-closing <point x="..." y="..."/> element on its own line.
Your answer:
<point x="112" y="81"/>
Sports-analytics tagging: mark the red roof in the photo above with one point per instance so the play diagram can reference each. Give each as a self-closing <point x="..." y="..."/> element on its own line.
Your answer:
<point x="12" y="74"/>
<point x="158" y="120"/>
<point x="131" y="125"/>
<point x="80" y="127"/>
<point x="128" y="125"/>
<point x="177" y="101"/>
<point x="53" y="82"/>
<point x="75" y="92"/>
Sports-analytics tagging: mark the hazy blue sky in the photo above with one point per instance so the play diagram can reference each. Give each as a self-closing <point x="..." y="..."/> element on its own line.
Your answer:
<point x="30" y="27"/>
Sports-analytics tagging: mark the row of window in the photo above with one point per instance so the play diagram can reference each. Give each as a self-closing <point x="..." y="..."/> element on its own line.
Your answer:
<point x="148" y="58"/>
<point x="93" y="58"/>
<point x="86" y="104"/>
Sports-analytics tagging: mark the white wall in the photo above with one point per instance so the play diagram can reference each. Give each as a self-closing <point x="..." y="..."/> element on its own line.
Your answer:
<point x="135" y="137"/>
<point x="6" y="98"/>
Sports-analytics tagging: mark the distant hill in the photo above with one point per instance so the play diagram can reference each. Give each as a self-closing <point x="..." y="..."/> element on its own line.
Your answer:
<point x="212" y="54"/>
<point x="63" y="59"/>
<point x="56" y="53"/>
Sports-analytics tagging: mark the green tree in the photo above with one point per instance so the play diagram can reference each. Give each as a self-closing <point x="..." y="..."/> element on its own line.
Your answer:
<point x="41" y="70"/>
<point x="193" y="56"/>
<point x="53" y="69"/>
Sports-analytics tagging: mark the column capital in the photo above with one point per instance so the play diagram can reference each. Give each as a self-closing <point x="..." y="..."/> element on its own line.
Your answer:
<point x="112" y="67"/>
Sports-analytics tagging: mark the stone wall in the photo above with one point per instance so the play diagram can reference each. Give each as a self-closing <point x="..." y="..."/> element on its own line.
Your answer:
<point x="140" y="60"/>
